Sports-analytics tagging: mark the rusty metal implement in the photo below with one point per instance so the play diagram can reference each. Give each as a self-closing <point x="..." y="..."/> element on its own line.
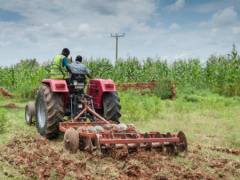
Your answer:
<point x="103" y="135"/>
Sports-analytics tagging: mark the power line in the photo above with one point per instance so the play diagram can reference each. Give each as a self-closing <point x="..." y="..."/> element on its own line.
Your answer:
<point x="117" y="36"/>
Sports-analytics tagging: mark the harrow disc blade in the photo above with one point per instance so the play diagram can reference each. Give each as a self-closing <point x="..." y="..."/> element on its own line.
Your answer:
<point x="97" y="143"/>
<point x="133" y="147"/>
<point x="91" y="129"/>
<point x="89" y="145"/>
<point x="171" y="147"/>
<point x="71" y="140"/>
<point x="81" y="129"/>
<point x="160" y="147"/>
<point x="99" y="129"/>
<point x="148" y="145"/>
<point x="182" y="144"/>
<point x="98" y="146"/>
<point x="123" y="126"/>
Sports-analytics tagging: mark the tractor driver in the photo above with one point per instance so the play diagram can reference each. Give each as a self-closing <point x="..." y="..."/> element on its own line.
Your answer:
<point x="60" y="65"/>
<point x="78" y="68"/>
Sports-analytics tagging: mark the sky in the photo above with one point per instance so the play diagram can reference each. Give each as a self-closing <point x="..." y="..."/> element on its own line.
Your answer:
<point x="165" y="29"/>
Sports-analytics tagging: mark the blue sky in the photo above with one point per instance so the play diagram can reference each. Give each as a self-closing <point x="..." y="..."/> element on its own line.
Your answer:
<point x="168" y="29"/>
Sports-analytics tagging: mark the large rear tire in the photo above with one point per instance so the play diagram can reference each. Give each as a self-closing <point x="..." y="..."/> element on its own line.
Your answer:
<point x="111" y="106"/>
<point x="49" y="112"/>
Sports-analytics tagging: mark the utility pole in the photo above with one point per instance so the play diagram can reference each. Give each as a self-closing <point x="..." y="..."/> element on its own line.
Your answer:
<point x="117" y="36"/>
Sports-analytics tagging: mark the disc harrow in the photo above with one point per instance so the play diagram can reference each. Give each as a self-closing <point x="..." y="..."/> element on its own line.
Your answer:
<point x="103" y="135"/>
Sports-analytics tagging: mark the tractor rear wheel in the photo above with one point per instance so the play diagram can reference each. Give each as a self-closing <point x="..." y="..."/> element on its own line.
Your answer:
<point x="49" y="112"/>
<point x="111" y="106"/>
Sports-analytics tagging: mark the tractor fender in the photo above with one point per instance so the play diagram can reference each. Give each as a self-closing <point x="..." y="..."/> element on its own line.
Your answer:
<point x="57" y="85"/>
<point x="96" y="89"/>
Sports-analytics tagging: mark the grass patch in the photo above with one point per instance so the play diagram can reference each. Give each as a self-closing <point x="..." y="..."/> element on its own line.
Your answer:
<point x="3" y="120"/>
<point x="211" y="119"/>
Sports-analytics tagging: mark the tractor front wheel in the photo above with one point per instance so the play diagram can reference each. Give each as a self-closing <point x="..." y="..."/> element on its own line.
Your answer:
<point x="49" y="112"/>
<point x="29" y="112"/>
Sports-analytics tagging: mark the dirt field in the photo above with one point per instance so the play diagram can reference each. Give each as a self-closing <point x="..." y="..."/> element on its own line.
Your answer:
<point x="34" y="157"/>
<point x="6" y="93"/>
<point x="38" y="158"/>
<point x="10" y="95"/>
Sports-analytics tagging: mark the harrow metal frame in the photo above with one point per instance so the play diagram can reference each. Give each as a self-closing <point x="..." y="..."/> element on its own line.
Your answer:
<point x="120" y="138"/>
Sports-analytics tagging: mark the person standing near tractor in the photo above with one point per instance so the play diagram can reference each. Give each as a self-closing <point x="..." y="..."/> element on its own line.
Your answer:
<point x="78" y="67"/>
<point x="60" y="65"/>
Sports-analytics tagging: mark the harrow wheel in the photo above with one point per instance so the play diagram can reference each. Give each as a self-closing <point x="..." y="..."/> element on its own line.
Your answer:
<point x="29" y="112"/>
<point x="182" y="144"/>
<point x="71" y="140"/>
<point x="171" y="147"/>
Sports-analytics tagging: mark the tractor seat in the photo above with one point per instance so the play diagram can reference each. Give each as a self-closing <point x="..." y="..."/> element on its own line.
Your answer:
<point x="80" y="78"/>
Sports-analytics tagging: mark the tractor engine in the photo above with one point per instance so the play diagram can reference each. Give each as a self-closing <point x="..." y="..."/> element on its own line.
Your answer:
<point x="76" y="85"/>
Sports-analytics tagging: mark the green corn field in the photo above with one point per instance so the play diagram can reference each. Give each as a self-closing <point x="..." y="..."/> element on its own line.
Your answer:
<point x="219" y="74"/>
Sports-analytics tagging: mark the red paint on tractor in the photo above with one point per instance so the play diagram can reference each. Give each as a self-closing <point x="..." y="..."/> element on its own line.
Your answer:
<point x="57" y="85"/>
<point x="97" y="87"/>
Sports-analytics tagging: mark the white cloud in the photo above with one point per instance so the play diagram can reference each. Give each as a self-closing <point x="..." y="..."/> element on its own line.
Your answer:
<point x="140" y="27"/>
<point x="4" y="43"/>
<point x="48" y="27"/>
<point x="77" y="49"/>
<point x="225" y="17"/>
<point x="222" y="18"/>
<point x="174" y="26"/>
<point x="83" y="27"/>
<point x="215" y="31"/>
<point x="205" y="8"/>
<point x="181" y="56"/>
<point x="213" y="6"/>
<point x="177" y="5"/>
<point x="222" y="29"/>
<point x="236" y="30"/>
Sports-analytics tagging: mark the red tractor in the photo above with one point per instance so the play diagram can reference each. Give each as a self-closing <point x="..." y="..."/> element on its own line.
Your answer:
<point x="57" y="98"/>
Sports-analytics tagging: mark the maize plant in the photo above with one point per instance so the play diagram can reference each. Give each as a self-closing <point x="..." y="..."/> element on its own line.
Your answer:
<point x="220" y="74"/>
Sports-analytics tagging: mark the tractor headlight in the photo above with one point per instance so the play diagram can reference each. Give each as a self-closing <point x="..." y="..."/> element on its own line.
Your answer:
<point x="78" y="85"/>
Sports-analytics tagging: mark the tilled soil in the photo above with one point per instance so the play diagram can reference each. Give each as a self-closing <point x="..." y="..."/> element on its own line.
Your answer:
<point x="5" y="93"/>
<point x="11" y="105"/>
<point x="38" y="158"/>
